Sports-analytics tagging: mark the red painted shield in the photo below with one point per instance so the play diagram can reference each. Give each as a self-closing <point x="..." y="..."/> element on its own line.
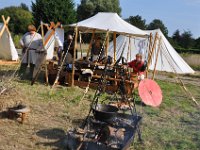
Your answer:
<point x="150" y="92"/>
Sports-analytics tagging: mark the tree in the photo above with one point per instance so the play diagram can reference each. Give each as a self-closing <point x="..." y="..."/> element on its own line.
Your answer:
<point x="197" y="43"/>
<point x="158" y="24"/>
<point x="186" y="40"/>
<point x="20" y="19"/>
<point x="24" y="6"/>
<point x="57" y="11"/>
<point x="88" y="8"/>
<point x="137" y="21"/>
<point x="176" y="38"/>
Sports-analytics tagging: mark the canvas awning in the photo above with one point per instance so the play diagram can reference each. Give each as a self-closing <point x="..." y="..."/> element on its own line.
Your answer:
<point x="102" y="22"/>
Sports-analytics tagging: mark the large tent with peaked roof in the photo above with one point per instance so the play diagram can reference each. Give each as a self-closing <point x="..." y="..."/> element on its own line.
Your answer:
<point x="104" y="21"/>
<point x="109" y="23"/>
<point x="164" y="56"/>
<point x="7" y="48"/>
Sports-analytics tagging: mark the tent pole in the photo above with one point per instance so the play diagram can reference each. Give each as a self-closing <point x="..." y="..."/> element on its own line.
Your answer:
<point x="107" y="45"/>
<point x="114" y="43"/>
<point x="5" y="25"/>
<point x="159" y="47"/>
<point x="46" y="70"/>
<point x="151" y="52"/>
<point x="53" y="27"/>
<point x="73" y="64"/>
<point x="90" y="46"/>
<point x="80" y="42"/>
<point x="129" y="49"/>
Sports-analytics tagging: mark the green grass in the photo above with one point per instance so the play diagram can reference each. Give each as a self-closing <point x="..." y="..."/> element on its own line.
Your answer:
<point x="174" y="125"/>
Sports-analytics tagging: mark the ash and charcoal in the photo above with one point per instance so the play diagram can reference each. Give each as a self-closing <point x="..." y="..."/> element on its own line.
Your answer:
<point x="114" y="135"/>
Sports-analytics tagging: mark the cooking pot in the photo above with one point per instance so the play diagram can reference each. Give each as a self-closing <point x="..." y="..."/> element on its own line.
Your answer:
<point x="105" y="113"/>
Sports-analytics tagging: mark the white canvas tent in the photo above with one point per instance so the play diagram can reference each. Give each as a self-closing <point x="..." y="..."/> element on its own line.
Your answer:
<point x="108" y="21"/>
<point x="168" y="59"/>
<point x="7" y="48"/>
<point x="54" y="40"/>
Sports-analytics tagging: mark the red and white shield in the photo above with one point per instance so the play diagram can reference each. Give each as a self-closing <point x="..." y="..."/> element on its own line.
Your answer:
<point x="150" y="92"/>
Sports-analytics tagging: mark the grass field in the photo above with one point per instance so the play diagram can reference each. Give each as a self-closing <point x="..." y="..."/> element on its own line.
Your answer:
<point x="174" y="125"/>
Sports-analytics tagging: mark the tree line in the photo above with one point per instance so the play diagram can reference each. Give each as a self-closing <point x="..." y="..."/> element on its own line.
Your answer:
<point x="66" y="12"/>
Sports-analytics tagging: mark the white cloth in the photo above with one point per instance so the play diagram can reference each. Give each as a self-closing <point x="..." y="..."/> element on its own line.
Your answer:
<point x="95" y="57"/>
<point x="7" y="47"/>
<point x="33" y="42"/>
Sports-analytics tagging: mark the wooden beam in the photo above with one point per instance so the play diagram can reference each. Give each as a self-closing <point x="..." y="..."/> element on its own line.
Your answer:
<point x="73" y="64"/>
<point x="5" y="26"/>
<point x="115" y="46"/>
<point x="90" y="45"/>
<point x="80" y="42"/>
<point x="52" y="27"/>
<point x="107" y="45"/>
<point x="158" y="51"/>
<point x="129" y="49"/>
<point x="152" y="51"/>
<point x="149" y="52"/>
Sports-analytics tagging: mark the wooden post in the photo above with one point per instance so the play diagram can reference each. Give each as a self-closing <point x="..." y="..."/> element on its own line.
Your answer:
<point x="115" y="46"/>
<point x="43" y="43"/>
<point x="158" y="51"/>
<point x="80" y="42"/>
<point x="73" y="64"/>
<point x="90" y="46"/>
<point x="151" y="52"/>
<point x="107" y="45"/>
<point x="129" y="49"/>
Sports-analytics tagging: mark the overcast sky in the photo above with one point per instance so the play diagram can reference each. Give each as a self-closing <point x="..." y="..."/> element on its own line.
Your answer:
<point x="176" y="14"/>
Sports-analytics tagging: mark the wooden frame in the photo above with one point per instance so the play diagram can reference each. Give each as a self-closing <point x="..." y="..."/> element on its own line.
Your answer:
<point x="5" y="26"/>
<point x="158" y="51"/>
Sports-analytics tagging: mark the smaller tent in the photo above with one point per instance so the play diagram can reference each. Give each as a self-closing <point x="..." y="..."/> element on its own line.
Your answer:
<point x="7" y="47"/>
<point x="53" y="39"/>
<point x="168" y="59"/>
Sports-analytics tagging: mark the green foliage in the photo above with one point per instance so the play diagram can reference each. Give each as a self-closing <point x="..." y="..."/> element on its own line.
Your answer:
<point x="57" y="11"/>
<point x="137" y="21"/>
<point x="197" y="43"/>
<point x="16" y="39"/>
<point x="88" y="8"/>
<point x="186" y="40"/>
<point x="158" y="24"/>
<point x="24" y="6"/>
<point x="20" y="18"/>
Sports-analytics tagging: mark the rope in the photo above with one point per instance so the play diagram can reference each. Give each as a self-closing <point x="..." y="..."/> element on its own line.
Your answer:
<point x="189" y="94"/>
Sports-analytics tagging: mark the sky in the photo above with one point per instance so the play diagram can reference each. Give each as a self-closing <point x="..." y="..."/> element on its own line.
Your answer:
<point x="175" y="14"/>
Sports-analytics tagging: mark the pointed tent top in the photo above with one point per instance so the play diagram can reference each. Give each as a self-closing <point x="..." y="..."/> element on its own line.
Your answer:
<point x="104" y="21"/>
<point x="7" y="48"/>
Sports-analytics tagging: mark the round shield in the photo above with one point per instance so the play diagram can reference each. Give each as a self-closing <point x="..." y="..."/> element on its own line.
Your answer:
<point x="150" y="92"/>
